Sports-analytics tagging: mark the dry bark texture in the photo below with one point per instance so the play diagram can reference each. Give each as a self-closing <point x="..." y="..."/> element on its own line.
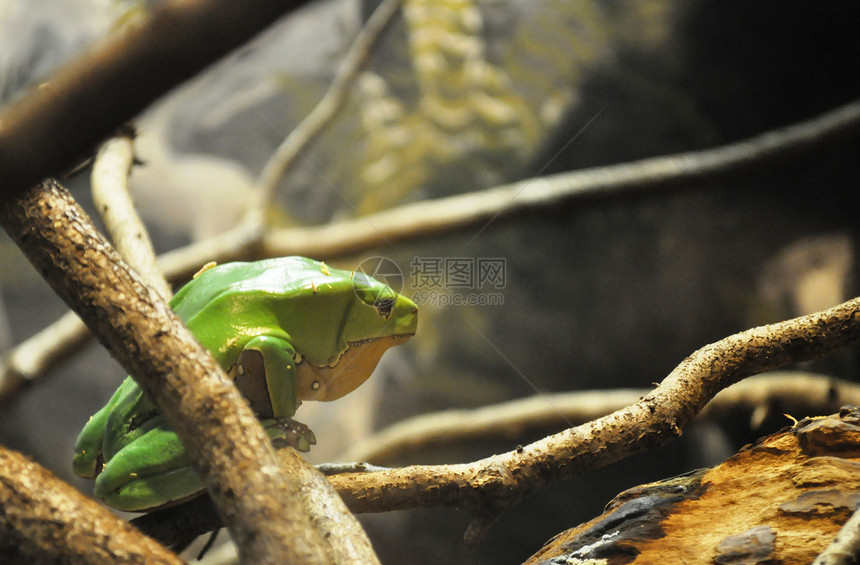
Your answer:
<point x="779" y="502"/>
<point x="44" y="520"/>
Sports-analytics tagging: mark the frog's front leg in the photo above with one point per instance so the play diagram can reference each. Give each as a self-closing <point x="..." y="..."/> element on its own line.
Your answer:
<point x="265" y="374"/>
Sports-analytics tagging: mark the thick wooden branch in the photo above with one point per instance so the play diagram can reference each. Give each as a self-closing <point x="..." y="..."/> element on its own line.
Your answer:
<point x="44" y="520"/>
<point x="226" y="444"/>
<point x="55" y="126"/>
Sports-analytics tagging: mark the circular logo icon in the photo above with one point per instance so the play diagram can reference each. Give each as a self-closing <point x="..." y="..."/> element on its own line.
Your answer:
<point x="382" y="269"/>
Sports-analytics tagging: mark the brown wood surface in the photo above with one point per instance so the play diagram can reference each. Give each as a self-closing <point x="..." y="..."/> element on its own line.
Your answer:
<point x="44" y="520"/>
<point x="779" y="501"/>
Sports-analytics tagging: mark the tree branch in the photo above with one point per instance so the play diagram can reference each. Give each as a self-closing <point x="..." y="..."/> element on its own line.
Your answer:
<point x="845" y="547"/>
<point x="779" y="500"/>
<point x="284" y="157"/>
<point x="35" y="357"/>
<point x="53" y="128"/>
<point x="223" y="437"/>
<point x="113" y="202"/>
<point x="44" y="520"/>
<point x="797" y="393"/>
<point x="493" y="484"/>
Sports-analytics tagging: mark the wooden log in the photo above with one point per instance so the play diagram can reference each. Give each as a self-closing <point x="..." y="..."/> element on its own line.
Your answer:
<point x="779" y="501"/>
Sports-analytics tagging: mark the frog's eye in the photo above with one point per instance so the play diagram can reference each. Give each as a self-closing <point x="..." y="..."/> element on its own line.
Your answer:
<point x="384" y="306"/>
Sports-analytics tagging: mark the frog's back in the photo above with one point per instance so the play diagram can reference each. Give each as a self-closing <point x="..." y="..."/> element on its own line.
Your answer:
<point x="281" y="275"/>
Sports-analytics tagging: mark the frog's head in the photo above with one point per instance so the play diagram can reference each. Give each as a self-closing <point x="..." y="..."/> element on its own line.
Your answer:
<point x="375" y="318"/>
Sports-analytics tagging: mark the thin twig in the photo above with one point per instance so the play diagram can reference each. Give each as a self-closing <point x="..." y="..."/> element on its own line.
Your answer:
<point x="446" y="215"/>
<point x="113" y="202"/>
<point x="284" y="157"/>
<point x="793" y="392"/>
<point x="35" y="357"/>
<point x="845" y="547"/>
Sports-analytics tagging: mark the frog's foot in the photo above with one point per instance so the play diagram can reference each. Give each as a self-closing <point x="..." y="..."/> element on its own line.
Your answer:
<point x="154" y="492"/>
<point x="89" y="459"/>
<point x="288" y="432"/>
<point x="149" y="473"/>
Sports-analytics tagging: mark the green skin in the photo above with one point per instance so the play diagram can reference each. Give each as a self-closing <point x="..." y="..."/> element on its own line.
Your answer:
<point x="286" y="330"/>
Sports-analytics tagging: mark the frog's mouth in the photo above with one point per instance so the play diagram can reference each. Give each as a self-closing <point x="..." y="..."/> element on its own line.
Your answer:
<point x="355" y="366"/>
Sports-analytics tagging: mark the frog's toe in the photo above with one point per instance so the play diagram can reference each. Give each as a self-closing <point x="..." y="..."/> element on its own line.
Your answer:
<point x="89" y="446"/>
<point x="302" y="444"/>
<point x="87" y="463"/>
<point x="288" y="432"/>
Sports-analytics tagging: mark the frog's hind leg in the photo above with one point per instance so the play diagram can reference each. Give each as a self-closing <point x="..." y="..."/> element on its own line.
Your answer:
<point x="153" y="471"/>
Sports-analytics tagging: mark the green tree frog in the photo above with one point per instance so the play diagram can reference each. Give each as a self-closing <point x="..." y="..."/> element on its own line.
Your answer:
<point x="285" y="330"/>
